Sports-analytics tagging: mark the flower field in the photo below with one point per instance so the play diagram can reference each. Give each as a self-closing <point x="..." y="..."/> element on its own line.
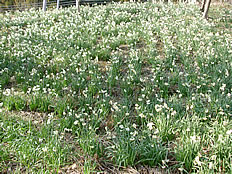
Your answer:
<point x="116" y="87"/>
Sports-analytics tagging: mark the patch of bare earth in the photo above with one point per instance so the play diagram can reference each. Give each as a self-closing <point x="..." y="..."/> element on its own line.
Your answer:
<point x="77" y="169"/>
<point x="36" y="118"/>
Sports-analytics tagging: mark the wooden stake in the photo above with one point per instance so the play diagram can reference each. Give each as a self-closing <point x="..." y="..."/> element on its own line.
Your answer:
<point x="206" y="10"/>
<point x="44" y="5"/>
<point x="58" y="4"/>
<point x="78" y="5"/>
<point x="203" y="5"/>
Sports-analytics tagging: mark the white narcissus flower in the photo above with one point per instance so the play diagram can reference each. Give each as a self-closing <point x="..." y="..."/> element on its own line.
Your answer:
<point x="121" y="126"/>
<point x="150" y="125"/>
<point x="222" y="88"/>
<point x="229" y="132"/>
<point x="173" y="113"/>
<point x="55" y="132"/>
<point x="45" y="149"/>
<point x="211" y="165"/>
<point x="195" y="139"/>
<point x="197" y="161"/>
<point x="158" y="108"/>
<point x="48" y="121"/>
<point x="142" y="115"/>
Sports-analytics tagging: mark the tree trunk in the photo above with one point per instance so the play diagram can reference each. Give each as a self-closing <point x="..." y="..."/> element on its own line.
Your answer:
<point x="206" y="10"/>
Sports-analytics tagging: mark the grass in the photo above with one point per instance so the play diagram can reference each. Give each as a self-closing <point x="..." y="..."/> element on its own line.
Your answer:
<point x="26" y="149"/>
<point x="116" y="88"/>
